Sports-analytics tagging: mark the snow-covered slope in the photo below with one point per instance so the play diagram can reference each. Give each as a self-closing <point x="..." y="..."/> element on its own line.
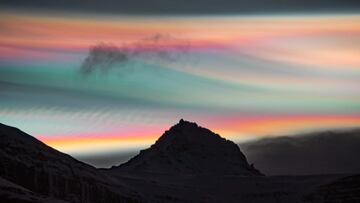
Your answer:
<point x="187" y="148"/>
<point x="31" y="164"/>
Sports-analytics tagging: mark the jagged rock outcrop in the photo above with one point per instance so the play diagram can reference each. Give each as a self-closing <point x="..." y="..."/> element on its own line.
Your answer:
<point x="33" y="165"/>
<point x="187" y="148"/>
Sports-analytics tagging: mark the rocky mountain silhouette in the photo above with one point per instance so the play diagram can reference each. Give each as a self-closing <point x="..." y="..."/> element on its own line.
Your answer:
<point x="187" y="148"/>
<point x="187" y="163"/>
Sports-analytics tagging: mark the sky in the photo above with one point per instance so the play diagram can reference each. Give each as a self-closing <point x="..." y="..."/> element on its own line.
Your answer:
<point x="105" y="78"/>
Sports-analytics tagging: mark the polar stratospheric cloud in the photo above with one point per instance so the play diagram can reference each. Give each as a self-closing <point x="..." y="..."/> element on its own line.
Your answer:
<point x="96" y="84"/>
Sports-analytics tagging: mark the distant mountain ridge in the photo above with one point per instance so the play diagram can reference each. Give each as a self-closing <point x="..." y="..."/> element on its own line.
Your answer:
<point x="323" y="152"/>
<point x="187" y="148"/>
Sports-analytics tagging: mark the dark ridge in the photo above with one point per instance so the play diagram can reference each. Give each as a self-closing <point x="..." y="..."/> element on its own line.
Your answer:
<point x="29" y="163"/>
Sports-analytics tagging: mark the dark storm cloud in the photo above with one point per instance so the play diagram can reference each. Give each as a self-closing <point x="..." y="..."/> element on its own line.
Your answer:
<point x="317" y="153"/>
<point x="157" y="48"/>
<point x="185" y="6"/>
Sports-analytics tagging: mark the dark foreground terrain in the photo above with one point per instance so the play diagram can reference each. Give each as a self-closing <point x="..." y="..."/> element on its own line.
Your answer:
<point x="187" y="164"/>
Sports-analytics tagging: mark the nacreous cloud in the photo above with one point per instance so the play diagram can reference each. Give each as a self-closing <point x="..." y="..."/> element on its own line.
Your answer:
<point x="157" y="48"/>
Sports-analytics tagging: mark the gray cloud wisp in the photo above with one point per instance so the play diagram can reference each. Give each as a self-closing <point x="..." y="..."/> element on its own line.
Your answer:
<point x="157" y="48"/>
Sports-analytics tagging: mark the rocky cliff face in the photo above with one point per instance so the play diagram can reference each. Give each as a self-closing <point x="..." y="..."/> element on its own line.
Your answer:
<point x="187" y="148"/>
<point x="13" y="193"/>
<point x="33" y="165"/>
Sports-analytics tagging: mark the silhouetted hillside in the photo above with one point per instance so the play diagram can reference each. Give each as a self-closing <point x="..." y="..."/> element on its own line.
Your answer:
<point x="35" y="166"/>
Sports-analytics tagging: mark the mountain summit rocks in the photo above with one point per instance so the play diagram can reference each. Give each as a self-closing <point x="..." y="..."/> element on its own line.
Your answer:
<point x="187" y="148"/>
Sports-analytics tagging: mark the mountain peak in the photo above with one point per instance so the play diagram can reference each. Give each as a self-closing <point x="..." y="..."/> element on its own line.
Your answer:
<point x="190" y="149"/>
<point x="185" y="124"/>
